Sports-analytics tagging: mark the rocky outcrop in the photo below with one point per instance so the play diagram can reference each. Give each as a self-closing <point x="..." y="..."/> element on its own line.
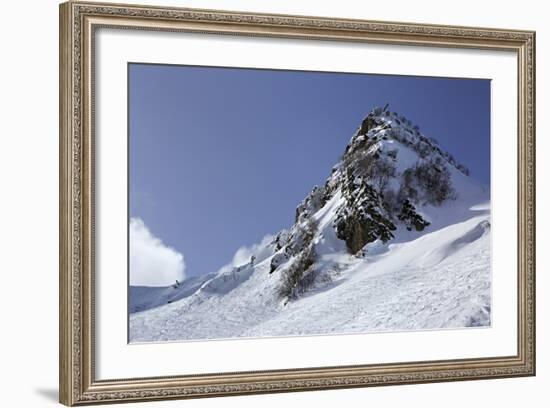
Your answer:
<point x="362" y="219"/>
<point x="411" y="218"/>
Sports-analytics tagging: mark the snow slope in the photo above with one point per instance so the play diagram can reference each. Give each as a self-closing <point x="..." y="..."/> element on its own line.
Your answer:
<point x="148" y="297"/>
<point x="445" y="287"/>
<point x="404" y="278"/>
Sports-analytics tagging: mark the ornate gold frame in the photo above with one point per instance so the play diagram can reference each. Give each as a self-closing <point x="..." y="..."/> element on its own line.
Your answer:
<point x="78" y="20"/>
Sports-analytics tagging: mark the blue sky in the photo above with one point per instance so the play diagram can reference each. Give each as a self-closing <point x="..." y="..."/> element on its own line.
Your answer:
<point x="220" y="157"/>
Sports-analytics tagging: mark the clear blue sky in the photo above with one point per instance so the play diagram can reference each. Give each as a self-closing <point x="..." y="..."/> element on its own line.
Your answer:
<point x="220" y="157"/>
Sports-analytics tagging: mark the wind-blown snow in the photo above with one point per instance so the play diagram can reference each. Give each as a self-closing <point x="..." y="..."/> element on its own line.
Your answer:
<point x="244" y="254"/>
<point x="151" y="262"/>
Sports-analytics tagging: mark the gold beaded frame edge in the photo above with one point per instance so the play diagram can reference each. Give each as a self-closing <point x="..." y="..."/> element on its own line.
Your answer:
<point x="77" y="382"/>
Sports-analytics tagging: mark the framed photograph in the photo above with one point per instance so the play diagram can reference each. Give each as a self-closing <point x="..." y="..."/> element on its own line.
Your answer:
<point x="256" y="203"/>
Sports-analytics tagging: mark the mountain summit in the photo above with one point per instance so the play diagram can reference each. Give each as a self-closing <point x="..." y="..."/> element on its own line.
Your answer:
<point x="395" y="210"/>
<point x="388" y="175"/>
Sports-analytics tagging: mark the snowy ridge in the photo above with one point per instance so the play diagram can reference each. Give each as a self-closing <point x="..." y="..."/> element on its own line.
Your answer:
<point x="398" y="238"/>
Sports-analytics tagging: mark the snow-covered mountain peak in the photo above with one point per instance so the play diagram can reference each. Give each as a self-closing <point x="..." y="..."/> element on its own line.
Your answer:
<point x="393" y="191"/>
<point x="389" y="173"/>
<point x="381" y="128"/>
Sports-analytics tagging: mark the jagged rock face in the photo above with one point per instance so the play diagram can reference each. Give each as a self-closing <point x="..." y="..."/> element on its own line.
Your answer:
<point x="411" y="218"/>
<point x="388" y="171"/>
<point x="358" y="231"/>
<point x="361" y="220"/>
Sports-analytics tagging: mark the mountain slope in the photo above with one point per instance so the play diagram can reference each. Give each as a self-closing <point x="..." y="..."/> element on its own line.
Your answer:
<point x="397" y="238"/>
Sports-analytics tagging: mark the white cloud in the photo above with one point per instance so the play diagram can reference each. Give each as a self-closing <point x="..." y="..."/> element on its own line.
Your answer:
<point x="243" y="254"/>
<point x="151" y="262"/>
